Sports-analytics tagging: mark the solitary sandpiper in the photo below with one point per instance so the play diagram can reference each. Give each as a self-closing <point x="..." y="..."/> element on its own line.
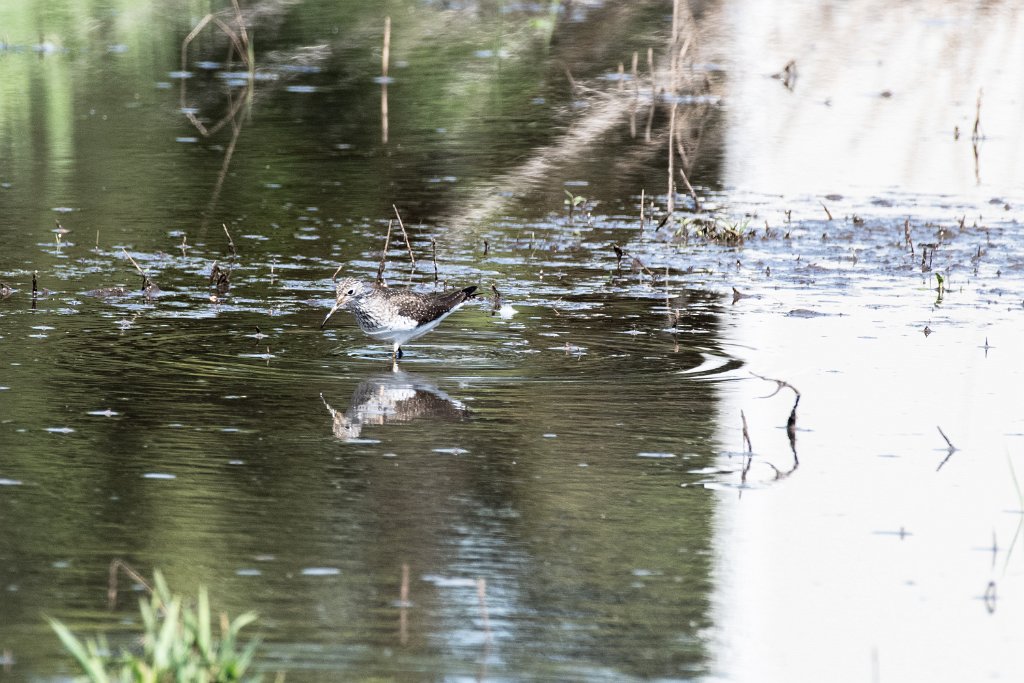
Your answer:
<point x="396" y="315"/>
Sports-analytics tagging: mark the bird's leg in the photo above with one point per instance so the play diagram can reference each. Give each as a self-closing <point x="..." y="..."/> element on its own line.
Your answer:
<point x="398" y="351"/>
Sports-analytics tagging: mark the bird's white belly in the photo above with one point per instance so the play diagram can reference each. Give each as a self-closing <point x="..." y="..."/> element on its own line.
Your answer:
<point x="400" y="329"/>
<point x="392" y="328"/>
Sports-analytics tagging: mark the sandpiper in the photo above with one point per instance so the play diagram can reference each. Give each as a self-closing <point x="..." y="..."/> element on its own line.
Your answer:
<point x="396" y="315"/>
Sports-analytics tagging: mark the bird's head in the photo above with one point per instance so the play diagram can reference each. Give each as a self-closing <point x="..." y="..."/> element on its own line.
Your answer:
<point x="347" y="291"/>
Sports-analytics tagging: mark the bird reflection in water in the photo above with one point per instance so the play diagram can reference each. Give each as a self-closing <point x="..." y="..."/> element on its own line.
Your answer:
<point x="393" y="397"/>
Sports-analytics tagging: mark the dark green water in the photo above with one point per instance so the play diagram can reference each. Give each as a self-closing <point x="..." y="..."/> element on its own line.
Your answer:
<point x="166" y="432"/>
<point x="560" y="479"/>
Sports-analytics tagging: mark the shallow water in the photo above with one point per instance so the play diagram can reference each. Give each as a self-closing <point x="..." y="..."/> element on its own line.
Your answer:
<point x="554" y="485"/>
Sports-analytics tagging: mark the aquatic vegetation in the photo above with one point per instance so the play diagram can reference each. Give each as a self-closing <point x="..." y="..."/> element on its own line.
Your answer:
<point x="714" y="229"/>
<point x="177" y="644"/>
<point x="576" y="204"/>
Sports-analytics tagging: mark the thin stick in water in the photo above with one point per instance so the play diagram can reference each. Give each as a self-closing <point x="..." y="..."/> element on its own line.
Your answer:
<point x="572" y="81"/>
<point x="635" y="74"/>
<point x="145" y="278"/>
<point x="129" y="257"/>
<point x="975" y="138"/>
<point x="481" y="591"/>
<point x="433" y="255"/>
<point x="948" y="442"/>
<point x="383" y="256"/>
<point x="408" y="244"/>
<point x="976" y="131"/>
<point x="990" y="597"/>
<point x="791" y="429"/>
<point x="671" y="204"/>
<point x="119" y="564"/>
<point x="231" y="242"/>
<point x="746" y="433"/>
<point x="683" y="163"/>
<point x="780" y="384"/>
<point x="654" y="94"/>
<point x="642" y="200"/>
<point x="950" y="451"/>
<point x="403" y="601"/>
<point x="385" y="56"/>
<point x="496" y="303"/>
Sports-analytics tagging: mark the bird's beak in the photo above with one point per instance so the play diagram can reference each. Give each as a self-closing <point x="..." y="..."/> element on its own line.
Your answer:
<point x="334" y="309"/>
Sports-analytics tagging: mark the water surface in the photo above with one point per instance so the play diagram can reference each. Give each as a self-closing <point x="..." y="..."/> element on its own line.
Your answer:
<point x="554" y="484"/>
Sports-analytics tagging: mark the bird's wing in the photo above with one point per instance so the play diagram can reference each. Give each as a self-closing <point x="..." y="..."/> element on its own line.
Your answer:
<point x="428" y="307"/>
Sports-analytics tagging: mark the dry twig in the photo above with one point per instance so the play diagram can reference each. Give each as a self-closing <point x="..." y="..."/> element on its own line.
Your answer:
<point x="119" y="564"/>
<point x="746" y="433"/>
<point x="231" y="242"/>
<point x="948" y="442"/>
<point x="383" y="257"/>
<point x="408" y="244"/>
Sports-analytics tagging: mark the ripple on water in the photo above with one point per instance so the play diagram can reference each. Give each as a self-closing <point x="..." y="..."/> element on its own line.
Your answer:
<point x="449" y="581"/>
<point x="321" y="571"/>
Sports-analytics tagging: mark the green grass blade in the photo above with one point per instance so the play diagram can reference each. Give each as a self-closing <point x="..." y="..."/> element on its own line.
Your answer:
<point x="92" y="666"/>
<point x="203" y="639"/>
<point x="245" y="659"/>
<point x="165" y="642"/>
<point x="160" y="588"/>
<point x="243" y="620"/>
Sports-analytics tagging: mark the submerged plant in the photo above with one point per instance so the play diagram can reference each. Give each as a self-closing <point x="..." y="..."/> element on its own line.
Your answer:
<point x="177" y="644"/>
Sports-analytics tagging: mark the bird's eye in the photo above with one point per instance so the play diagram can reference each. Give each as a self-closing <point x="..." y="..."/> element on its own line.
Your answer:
<point x="351" y="292"/>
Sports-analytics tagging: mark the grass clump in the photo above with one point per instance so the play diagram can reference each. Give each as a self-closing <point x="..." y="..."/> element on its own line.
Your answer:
<point x="714" y="229"/>
<point x="177" y="644"/>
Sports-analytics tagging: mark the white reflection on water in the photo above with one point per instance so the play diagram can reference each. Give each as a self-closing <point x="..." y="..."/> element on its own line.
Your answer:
<point x="870" y="562"/>
<point x="879" y="91"/>
<point x="869" y="546"/>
